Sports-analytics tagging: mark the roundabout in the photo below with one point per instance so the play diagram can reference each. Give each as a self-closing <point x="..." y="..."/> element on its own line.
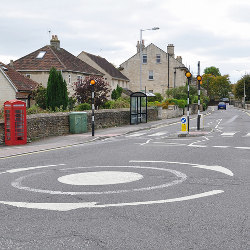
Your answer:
<point x="95" y="184"/>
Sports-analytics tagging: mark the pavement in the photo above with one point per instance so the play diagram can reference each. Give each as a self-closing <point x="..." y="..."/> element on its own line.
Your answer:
<point x="57" y="142"/>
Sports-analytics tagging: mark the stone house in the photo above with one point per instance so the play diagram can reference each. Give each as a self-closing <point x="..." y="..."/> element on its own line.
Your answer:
<point x="37" y="65"/>
<point x="160" y="70"/>
<point x="14" y="85"/>
<point x="112" y="75"/>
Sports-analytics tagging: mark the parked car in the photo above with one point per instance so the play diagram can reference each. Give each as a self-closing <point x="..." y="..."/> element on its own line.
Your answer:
<point x="222" y="105"/>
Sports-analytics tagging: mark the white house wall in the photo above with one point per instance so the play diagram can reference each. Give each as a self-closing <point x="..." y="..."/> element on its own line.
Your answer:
<point x="7" y="91"/>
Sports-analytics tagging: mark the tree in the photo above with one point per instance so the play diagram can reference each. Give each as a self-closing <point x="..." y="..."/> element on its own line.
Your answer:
<point x="83" y="91"/>
<point x="52" y="89"/>
<point x="57" y="95"/>
<point x="239" y="88"/>
<point x="116" y="93"/>
<point x="212" y="70"/>
<point x="181" y="93"/>
<point x="219" y="87"/>
<point x="40" y="96"/>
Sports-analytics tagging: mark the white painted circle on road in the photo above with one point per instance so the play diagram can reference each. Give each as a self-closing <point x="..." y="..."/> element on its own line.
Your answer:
<point x="99" y="178"/>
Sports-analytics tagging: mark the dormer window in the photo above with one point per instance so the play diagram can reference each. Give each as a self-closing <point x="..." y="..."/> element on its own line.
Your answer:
<point x="41" y="54"/>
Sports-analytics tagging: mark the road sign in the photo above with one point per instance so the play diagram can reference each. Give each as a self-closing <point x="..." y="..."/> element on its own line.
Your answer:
<point x="184" y="125"/>
<point x="183" y="120"/>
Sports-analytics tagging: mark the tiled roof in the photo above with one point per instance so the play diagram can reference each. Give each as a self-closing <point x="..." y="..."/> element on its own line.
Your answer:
<point x="21" y="82"/>
<point x="107" y="66"/>
<point x="58" y="58"/>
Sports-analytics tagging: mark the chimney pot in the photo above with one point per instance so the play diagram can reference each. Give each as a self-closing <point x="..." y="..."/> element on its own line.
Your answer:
<point x="54" y="42"/>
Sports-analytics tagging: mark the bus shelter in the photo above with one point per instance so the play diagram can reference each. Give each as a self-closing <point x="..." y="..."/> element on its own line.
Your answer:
<point x="138" y="108"/>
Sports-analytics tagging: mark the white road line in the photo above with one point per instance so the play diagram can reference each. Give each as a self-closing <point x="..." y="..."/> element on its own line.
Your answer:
<point x="158" y="134"/>
<point x="197" y="146"/>
<point x="214" y="168"/>
<point x="135" y="135"/>
<point x="228" y="134"/>
<point x="221" y="146"/>
<point x="70" y="206"/>
<point x="247" y="135"/>
<point x="145" y="142"/>
<point x="242" y="147"/>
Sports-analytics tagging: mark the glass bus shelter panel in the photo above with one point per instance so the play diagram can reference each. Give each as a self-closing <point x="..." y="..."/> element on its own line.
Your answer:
<point x="138" y="108"/>
<point x="134" y="106"/>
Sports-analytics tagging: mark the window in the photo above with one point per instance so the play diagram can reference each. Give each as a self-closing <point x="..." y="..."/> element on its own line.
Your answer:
<point x="79" y="79"/>
<point x="151" y="91"/>
<point x="144" y="58"/>
<point x="41" y="54"/>
<point x="158" y="58"/>
<point x="28" y="75"/>
<point x="69" y="79"/>
<point x="151" y="75"/>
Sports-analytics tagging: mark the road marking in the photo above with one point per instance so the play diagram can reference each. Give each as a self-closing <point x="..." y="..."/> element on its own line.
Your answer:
<point x="158" y="134"/>
<point x="145" y="142"/>
<point x="135" y="135"/>
<point x="31" y="168"/>
<point x="242" y="147"/>
<point x="197" y="146"/>
<point x="99" y="178"/>
<point x="229" y="134"/>
<point x="221" y="146"/>
<point x="247" y="135"/>
<point x="71" y="206"/>
<point x="214" y="168"/>
<point x="182" y="177"/>
<point x="219" y="121"/>
<point x="231" y="120"/>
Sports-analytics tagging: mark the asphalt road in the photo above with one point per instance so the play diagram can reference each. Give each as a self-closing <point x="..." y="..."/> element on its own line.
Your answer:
<point x="145" y="190"/>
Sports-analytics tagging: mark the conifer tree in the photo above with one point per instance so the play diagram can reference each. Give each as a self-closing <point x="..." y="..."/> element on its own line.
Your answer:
<point x="57" y="94"/>
<point x="52" y="89"/>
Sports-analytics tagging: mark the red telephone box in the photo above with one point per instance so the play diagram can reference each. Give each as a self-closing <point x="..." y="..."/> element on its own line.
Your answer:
<point x="15" y="122"/>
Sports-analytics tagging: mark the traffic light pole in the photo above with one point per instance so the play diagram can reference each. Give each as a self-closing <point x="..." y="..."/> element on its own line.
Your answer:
<point x="188" y="75"/>
<point x="92" y="82"/>
<point x="199" y="78"/>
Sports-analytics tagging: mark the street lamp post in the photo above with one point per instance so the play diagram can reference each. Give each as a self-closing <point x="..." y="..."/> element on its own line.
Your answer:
<point x="155" y="28"/>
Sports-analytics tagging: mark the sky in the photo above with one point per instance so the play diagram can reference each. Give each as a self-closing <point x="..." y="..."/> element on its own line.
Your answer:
<point x="214" y="32"/>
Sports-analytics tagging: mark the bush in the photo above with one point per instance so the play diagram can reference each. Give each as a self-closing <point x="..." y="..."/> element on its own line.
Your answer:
<point x="108" y="104"/>
<point x="34" y="109"/>
<point x="154" y="104"/>
<point x="40" y="96"/>
<point x="116" y="93"/>
<point x="182" y="103"/>
<point x="121" y="103"/>
<point x="71" y="103"/>
<point x="157" y="98"/>
<point x="82" y="107"/>
<point x="167" y="102"/>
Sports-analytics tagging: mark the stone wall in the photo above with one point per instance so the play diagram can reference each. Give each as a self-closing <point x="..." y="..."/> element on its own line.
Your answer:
<point x="55" y="124"/>
<point x="173" y="111"/>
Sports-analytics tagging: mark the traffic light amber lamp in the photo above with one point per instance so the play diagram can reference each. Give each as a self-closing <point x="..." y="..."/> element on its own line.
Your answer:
<point x="92" y="82"/>
<point x="188" y="74"/>
<point x="199" y="78"/>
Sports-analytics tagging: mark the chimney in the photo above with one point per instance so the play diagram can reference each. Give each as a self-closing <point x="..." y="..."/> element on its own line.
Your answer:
<point x="170" y="50"/>
<point x="179" y="59"/>
<point x="138" y="46"/>
<point x="11" y="63"/>
<point x="54" y="42"/>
